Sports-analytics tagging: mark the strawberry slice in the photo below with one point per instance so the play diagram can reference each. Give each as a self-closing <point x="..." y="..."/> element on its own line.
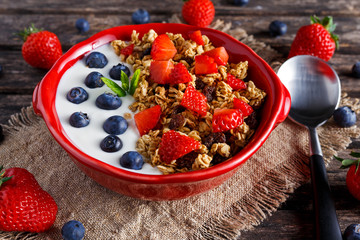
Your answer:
<point x="160" y="71"/>
<point x="180" y="74"/>
<point x="226" y="119"/>
<point x="174" y="145"/>
<point x="205" y="65"/>
<point x="127" y="50"/>
<point x="244" y="107"/>
<point x="196" y="36"/>
<point x="235" y="83"/>
<point x="219" y="54"/>
<point x="194" y="101"/>
<point x="147" y="119"/>
<point x="163" y="48"/>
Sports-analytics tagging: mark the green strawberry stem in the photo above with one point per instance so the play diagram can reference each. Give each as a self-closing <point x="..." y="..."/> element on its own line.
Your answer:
<point x="2" y="178"/>
<point x="27" y="31"/>
<point x="346" y="163"/>
<point x="328" y="23"/>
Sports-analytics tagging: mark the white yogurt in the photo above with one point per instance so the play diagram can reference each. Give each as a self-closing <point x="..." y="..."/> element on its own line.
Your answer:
<point x="88" y="138"/>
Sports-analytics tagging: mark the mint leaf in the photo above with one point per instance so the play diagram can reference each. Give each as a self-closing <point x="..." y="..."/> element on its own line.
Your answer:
<point x="124" y="81"/>
<point x="134" y="82"/>
<point x="114" y="87"/>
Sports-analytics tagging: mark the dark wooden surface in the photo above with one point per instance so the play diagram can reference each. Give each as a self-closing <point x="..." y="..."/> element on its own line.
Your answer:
<point x="294" y="218"/>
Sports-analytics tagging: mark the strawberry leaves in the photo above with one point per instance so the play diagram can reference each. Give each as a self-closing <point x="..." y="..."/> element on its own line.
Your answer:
<point x="346" y="163"/>
<point x="2" y="178"/>
<point x="126" y="85"/>
<point x="328" y="23"/>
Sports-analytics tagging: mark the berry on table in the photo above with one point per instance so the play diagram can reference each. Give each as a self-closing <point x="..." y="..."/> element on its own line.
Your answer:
<point x="132" y="160"/>
<point x="115" y="71"/>
<point x="277" y="28"/>
<point x="96" y="60"/>
<point x="73" y="230"/>
<point x="1" y="69"/>
<point x="352" y="232"/>
<point x="240" y="3"/>
<point x="79" y="119"/>
<point x="344" y="116"/>
<point x="111" y="143"/>
<point x="140" y="16"/>
<point x="82" y="25"/>
<point x="93" y="80"/>
<point x="77" y="95"/>
<point x="1" y="134"/>
<point x="108" y="101"/>
<point x="355" y="71"/>
<point x="198" y="12"/>
<point x="115" y="125"/>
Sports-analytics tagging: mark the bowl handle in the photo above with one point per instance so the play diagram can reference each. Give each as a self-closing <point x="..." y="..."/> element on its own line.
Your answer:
<point x="285" y="106"/>
<point x="35" y="100"/>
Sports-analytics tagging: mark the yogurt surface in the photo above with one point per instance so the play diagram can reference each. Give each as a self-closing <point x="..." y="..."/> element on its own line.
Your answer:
<point x="88" y="138"/>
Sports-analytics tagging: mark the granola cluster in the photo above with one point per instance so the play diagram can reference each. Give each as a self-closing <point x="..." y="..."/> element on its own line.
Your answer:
<point x="215" y="147"/>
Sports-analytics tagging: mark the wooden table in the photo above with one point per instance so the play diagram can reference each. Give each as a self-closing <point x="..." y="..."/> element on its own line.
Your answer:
<point x="294" y="218"/>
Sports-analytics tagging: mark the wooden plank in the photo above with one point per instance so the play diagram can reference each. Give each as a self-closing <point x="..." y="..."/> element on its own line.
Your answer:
<point x="12" y="104"/>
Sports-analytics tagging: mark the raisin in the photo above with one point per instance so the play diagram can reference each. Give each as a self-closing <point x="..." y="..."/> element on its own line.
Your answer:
<point x="187" y="160"/>
<point x="252" y="120"/>
<point x="177" y="120"/>
<point x="209" y="92"/>
<point x="218" y="137"/>
<point x="178" y="109"/>
<point x="199" y="84"/>
<point x="217" y="158"/>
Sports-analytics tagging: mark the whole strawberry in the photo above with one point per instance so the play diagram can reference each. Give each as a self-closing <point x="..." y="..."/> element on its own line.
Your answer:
<point x="24" y="205"/>
<point x="198" y="12"/>
<point x="316" y="39"/>
<point x="41" y="49"/>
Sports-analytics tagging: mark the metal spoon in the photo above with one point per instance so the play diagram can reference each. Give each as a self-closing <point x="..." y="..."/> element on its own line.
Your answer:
<point x="315" y="93"/>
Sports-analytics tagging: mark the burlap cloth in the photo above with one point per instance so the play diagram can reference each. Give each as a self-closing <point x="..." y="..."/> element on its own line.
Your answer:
<point x="246" y="199"/>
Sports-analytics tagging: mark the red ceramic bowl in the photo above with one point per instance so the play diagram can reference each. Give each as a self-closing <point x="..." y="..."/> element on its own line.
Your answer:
<point x="179" y="185"/>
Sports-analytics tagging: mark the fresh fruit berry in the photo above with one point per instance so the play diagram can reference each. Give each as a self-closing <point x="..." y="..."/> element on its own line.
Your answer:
<point x="180" y="74"/>
<point x="198" y="12"/>
<point x="160" y="71"/>
<point x="355" y="70"/>
<point x="82" y="25"/>
<point x="316" y="39"/>
<point x="111" y="143"/>
<point x="132" y="160"/>
<point x="163" y="48"/>
<point x="205" y="65"/>
<point x="245" y="108"/>
<point x="73" y="230"/>
<point x="344" y="116"/>
<point x="41" y="49"/>
<point x="147" y="119"/>
<point x="240" y="3"/>
<point x="219" y="54"/>
<point x="115" y="71"/>
<point x="96" y="60"/>
<point x="140" y="16"/>
<point x="277" y="28"/>
<point x="196" y="36"/>
<point x="235" y="83"/>
<point x="93" y="80"/>
<point x="352" y="232"/>
<point x="77" y="95"/>
<point x="226" y="119"/>
<point x="1" y="70"/>
<point x="2" y="137"/>
<point x="79" y="119"/>
<point x="128" y="50"/>
<point x="24" y="205"/>
<point x="194" y="101"/>
<point x="115" y="125"/>
<point x="174" y="145"/>
<point x="108" y="101"/>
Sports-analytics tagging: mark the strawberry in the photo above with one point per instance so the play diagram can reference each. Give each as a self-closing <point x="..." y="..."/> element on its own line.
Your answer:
<point x="198" y="12"/>
<point x="180" y="74"/>
<point x="41" y="49"/>
<point x="24" y="205"/>
<point x="316" y="39"/>
<point x="245" y="108"/>
<point x="196" y="36"/>
<point x="160" y="71"/>
<point x="235" y="83"/>
<point x="163" y="48"/>
<point x="174" y="145"/>
<point x="194" y="101"/>
<point x="127" y="50"/>
<point x="226" y="119"/>
<point x="219" y="54"/>
<point x="205" y="65"/>
<point x="147" y="119"/>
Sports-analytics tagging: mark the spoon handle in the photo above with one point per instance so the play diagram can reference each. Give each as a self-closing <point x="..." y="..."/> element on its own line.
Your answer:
<point x="327" y="226"/>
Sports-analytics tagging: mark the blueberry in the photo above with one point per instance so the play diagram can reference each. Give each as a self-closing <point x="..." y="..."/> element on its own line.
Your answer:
<point x="352" y="232"/>
<point x="115" y="71"/>
<point x="277" y="28"/>
<point x="77" y="95"/>
<point x="140" y="16"/>
<point x="96" y="60"/>
<point x="1" y="69"/>
<point x="132" y="160"/>
<point x="344" y="116"/>
<point x="93" y="80"/>
<point x="108" y="101"/>
<point x="115" y="125"/>
<point x="356" y="70"/>
<point x="146" y="52"/>
<point x="79" y="119"/>
<point x="239" y="2"/>
<point x="1" y="134"/>
<point x="73" y="230"/>
<point x="111" y="143"/>
<point x="82" y="25"/>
